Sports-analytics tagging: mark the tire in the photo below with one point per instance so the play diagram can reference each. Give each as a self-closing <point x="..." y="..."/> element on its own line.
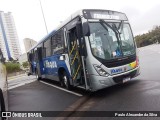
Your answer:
<point x="65" y="81"/>
<point x="2" y="104"/>
<point x="37" y="76"/>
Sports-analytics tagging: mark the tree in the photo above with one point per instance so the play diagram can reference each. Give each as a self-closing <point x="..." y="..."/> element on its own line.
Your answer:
<point x="148" y="38"/>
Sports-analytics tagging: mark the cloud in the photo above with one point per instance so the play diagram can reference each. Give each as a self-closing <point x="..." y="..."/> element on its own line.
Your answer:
<point x="142" y="14"/>
<point x="142" y="22"/>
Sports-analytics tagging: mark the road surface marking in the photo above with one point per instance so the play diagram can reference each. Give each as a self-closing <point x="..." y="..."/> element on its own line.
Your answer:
<point x="15" y="86"/>
<point x="77" y="94"/>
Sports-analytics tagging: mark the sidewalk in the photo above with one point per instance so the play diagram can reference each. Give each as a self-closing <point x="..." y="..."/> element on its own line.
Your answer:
<point x="17" y="76"/>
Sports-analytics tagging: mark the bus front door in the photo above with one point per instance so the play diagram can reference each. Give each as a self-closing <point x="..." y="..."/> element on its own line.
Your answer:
<point x="74" y="57"/>
<point x="39" y="62"/>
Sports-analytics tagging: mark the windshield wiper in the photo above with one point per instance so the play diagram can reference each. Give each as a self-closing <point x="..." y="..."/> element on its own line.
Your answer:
<point x="121" y="25"/>
<point x="104" y="26"/>
<point x="104" y="22"/>
<point x="115" y="31"/>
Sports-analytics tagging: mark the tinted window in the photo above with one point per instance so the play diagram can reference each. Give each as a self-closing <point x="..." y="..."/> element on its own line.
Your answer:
<point x="35" y="54"/>
<point x="47" y="48"/>
<point x="57" y="43"/>
<point x="31" y="56"/>
<point x="40" y="51"/>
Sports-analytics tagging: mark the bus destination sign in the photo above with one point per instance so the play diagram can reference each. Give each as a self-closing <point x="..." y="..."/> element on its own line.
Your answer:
<point x="104" y="14"/>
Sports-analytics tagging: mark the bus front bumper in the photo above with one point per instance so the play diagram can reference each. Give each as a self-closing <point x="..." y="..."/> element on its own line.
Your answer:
<point x="100" y="82"/>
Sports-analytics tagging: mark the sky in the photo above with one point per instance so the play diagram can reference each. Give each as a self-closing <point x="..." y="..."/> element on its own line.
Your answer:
<point x="143" y="14"/>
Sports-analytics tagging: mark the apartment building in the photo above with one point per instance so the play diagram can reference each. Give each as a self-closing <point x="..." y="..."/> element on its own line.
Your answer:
<point x="9" y="42"/>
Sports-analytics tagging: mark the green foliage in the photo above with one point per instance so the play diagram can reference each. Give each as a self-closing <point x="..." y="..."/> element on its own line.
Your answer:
<point x="12" y="67"/>
<point x="25" y="64"/>
<point x="151" y="37"/>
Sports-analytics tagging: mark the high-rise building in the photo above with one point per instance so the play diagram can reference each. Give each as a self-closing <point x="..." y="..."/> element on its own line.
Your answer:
<point x="29" y="43"/>
<point x="9" y="43"/>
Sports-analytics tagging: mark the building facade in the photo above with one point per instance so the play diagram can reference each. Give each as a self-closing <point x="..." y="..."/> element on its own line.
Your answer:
<point x="9" y="42"/>
<point x="29" y="43"/>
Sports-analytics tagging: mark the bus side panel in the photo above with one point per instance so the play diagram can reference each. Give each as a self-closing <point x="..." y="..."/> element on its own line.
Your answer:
<point x="63" y="64"/>
<point x="52" y="65"/>
<point x="50" y="68"/>
<point x="41" y="67"/>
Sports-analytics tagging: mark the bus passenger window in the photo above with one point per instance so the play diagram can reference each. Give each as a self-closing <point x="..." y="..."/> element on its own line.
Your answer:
<point x="57" y="43"/>
<point x="47" y="47"/>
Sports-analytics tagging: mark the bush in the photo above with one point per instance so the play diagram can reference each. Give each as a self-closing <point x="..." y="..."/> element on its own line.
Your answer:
<point x="12" y="67"/>
<point x="25" y="64"/>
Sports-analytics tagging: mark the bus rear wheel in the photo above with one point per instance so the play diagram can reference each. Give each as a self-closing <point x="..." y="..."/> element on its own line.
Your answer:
<point x="37" y="76"/>
<point x="65" y="81"/>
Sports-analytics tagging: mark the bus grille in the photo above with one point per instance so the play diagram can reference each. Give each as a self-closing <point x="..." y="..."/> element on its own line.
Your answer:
<point x="115" y="63"/>
<point x="119" y="79"/>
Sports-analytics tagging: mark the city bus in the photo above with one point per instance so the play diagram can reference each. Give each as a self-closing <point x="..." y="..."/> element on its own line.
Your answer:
<point x="93" y="49"/>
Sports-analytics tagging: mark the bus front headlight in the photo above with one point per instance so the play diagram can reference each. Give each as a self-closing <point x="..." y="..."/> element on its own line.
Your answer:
<point x="100" y="70"/>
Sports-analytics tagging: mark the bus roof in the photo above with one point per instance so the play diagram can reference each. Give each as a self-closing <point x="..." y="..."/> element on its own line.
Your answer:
<point x="74" y="15"/>
<point x="79" y="12"/>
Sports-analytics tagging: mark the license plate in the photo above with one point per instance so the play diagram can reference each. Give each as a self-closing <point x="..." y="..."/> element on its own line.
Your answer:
<point x="126" y="79"/>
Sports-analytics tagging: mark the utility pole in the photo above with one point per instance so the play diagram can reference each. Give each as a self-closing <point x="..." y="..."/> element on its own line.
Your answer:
<point x="43" y="16"/>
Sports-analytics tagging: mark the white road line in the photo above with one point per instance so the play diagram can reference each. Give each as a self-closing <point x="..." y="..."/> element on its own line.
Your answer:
<point x="15" y="86"/>
<point x="62" y="89"/>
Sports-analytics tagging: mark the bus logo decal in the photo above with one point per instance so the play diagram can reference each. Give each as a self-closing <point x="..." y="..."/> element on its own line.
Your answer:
<point x="51" y="64"/>
<point x="114" y="71"/>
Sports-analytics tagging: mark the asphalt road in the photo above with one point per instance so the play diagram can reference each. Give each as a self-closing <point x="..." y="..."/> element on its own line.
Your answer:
<point x="37" y="96"/>
<point x="139" y="94"/>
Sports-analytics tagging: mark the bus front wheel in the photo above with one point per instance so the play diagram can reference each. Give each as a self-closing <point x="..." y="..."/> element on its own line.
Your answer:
<point x="65" y="81"/>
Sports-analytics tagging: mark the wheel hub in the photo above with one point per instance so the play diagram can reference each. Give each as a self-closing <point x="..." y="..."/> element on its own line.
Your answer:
<point x="65" y="80"/>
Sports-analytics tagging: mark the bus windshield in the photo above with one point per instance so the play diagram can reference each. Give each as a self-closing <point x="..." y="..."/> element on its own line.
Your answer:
<point x="111" y="40"/>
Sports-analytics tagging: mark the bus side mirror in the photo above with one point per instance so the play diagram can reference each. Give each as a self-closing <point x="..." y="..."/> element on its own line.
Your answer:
<point x="79" y="29"/>
<point x="86" y="30"/>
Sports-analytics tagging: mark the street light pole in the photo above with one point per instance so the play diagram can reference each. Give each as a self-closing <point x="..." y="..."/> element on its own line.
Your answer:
<point x="43" y="16"/>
